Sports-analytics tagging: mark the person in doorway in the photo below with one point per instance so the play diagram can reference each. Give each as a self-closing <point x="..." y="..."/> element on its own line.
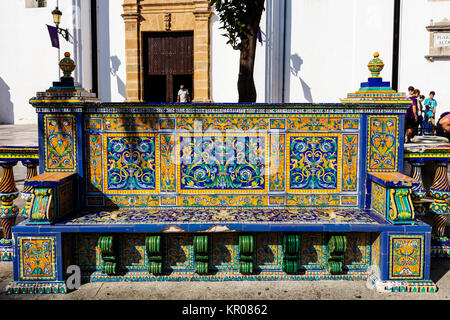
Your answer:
<point x="183" y="95"/>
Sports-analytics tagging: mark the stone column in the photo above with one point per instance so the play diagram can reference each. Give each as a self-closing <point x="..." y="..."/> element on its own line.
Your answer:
<point x="132" y="18"/>
<point x="418" y="191"/>
<point x="26" y="194"/>
<point x="440" y="191"/>
<point x="8" y="192"/>
<point x="202" y="65"/>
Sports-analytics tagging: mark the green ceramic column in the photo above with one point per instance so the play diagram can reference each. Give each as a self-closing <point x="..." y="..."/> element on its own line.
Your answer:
<point x="201" y="253"/>
<point x="108" y="252"/>
<point x="246" y="254"/>
<point x="337" y="245"/>
<point x="153" y="245"/>
<point x="291" y="247"/>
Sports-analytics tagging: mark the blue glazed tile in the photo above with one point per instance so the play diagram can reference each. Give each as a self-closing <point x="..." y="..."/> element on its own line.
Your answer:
<point x="337" y="227"/>
<point x="193" y="227"/>
<point x="365" y="228"/>
<point x="427" y="255"/>
<point x="145" y="228"/>
<point x="46" y="228"/>
<point x="256" y="227"/>
<point x="284" y="228"/>
<point x="149" y="227"/>
<point x="25" y="228"/>
<point x="93" y="228"/>
<point x="417" y="228"/>
<point x="43" y="184"/>
<point x="384" y="266"/>
<point x="310" y="228"/>
<point x="120" y="228"/>
<point x="386" y="183"/>
<point x="384" y="243"/>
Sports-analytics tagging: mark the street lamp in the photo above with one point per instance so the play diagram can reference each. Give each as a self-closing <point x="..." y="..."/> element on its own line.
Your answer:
<point x="57" y="20"/>
<point x="57" y="16"/>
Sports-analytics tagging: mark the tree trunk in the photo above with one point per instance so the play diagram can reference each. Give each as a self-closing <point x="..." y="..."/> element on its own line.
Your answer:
<point x="246" y="83"/>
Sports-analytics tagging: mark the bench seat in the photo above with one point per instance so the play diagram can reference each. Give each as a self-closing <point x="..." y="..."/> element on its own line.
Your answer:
<point x="220" y="219"/>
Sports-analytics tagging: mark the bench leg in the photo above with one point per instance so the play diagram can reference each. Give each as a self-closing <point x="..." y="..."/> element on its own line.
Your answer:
<point x="201" y="244"/>
<point x="38" y="264"/>
<point x="291" y="249"/>
<point x="404" y="263"/>
<point x="154" y="248"/>
<point x="337" y="245"/>
<point x="108" y="251"/>
<point x="246" y="254"/>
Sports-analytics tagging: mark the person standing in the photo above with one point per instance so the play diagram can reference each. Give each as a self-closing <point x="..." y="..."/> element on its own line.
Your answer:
<point x="411" y="116"/>
<point x="410" y="91"/>
<point x="421" y="115"/>
<point x="183" y="95"/>
<point x="430" y="110"/>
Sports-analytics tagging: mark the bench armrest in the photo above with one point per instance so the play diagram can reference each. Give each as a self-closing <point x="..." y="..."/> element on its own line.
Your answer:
<point x="390" y="196"/>
<point x="53" y="197"/>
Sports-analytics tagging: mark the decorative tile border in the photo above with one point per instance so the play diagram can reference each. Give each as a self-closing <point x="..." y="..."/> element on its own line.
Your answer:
<point x="37" y="258"/>
<point x="331" y="159"/>
<point x="406" y="257"/>
<point x="383" y="143"/>
<point x="60" y="143"/>
<point x="135" y="159"/>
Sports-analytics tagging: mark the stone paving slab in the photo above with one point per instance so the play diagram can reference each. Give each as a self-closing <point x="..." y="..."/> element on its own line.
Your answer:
<point x="245" y="290"/>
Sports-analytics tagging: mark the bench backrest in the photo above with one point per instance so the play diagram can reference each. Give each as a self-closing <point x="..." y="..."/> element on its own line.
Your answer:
<point x="137" y="155"/>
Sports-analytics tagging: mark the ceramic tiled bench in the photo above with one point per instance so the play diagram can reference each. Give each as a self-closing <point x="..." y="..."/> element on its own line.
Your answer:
<point x="221" y="192"/>
<point x="216" y="192"/>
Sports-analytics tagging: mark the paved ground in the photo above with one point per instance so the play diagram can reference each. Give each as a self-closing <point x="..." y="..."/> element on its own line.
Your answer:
<point x="302" y="290"/>
<point x="279" y="290"/>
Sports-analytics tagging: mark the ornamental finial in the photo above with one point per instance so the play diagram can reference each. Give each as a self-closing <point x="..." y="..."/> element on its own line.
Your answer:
<point x="376" y="65"/>
<point x="67" y="65"/>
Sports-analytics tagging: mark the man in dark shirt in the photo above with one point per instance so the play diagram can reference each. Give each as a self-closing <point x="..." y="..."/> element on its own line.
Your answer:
<point x="411" y="116"/>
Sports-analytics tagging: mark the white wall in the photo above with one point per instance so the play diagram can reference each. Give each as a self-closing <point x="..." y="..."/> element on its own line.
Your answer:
<point x="225" y="65"/>
<point x="414" y="69"/>
<point x="328" y="50"/>
<point x="111" y="51"/>
<point x="28" y="62"/>
<point x="331" y="44"/>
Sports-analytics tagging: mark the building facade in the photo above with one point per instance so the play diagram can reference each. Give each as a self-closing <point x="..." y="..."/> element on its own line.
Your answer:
<point x="142" y="50"/>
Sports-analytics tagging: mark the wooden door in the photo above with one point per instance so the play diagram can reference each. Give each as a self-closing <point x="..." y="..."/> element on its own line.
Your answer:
<point x="168" y="57"/>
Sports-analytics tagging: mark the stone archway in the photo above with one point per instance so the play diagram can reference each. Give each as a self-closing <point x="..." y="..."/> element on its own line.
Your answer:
<point x="164" y="16"/>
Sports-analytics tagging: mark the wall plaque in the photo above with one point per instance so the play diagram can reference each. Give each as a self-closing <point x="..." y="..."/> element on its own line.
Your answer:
<point x="439" y="40"/>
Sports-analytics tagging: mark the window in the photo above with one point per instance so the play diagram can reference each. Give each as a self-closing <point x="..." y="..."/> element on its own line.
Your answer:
<point x="35" y="3"/>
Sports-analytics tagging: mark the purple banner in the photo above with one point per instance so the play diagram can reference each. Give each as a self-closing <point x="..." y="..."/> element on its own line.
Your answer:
<point x="259" y="36"/>
<point x="53" y="32"/>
